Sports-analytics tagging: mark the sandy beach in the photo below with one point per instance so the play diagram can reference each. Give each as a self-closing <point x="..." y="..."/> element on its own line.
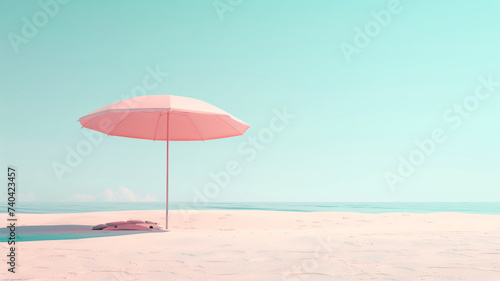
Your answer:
<point x="265" y="245"/>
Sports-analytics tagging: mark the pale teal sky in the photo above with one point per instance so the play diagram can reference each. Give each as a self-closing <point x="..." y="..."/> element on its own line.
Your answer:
<point x="353" y="119"/>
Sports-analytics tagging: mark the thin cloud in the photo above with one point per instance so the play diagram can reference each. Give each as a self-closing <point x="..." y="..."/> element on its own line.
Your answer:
<point x="122" y="194"/>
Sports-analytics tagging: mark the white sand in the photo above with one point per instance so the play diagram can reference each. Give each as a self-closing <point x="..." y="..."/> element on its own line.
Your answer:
<point x="265" y="245"/>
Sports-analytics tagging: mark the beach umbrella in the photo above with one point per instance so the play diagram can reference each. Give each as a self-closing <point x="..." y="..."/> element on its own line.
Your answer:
<point x="164" y="118"/>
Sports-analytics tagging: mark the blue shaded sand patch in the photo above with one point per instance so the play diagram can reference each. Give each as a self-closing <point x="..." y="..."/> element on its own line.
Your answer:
<point x="63" y="232"/>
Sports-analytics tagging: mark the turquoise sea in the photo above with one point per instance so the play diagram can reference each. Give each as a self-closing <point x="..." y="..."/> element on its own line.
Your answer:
<point x="358" y="207"/>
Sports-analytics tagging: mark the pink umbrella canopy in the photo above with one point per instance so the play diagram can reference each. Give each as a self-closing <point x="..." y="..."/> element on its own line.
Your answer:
<point x="164" y="118"/>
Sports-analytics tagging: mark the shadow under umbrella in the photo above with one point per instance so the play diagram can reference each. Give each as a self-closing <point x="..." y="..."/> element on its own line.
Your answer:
<point x="62" y="232"/>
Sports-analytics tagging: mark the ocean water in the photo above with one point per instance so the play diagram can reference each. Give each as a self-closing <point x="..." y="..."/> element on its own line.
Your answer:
<point x="358" y="207"/>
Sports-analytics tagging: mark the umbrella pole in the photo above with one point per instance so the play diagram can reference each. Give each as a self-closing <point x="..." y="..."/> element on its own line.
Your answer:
<point x="166" y="222"/>
<point x="166" y="213"/>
